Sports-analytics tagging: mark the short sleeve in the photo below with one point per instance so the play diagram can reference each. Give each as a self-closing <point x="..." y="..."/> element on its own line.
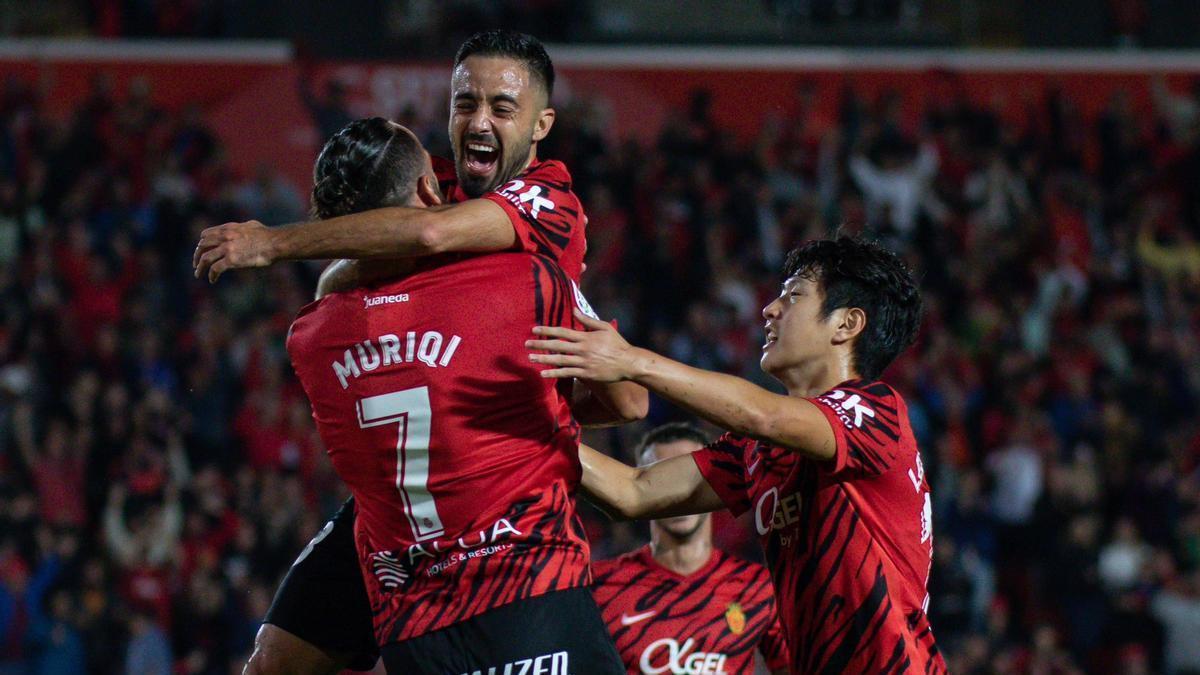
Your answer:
<point x="546" y="215"/>
<point x="773" y="646"/>
<point x="723" y="465"/>
<point x="867" y="423"/>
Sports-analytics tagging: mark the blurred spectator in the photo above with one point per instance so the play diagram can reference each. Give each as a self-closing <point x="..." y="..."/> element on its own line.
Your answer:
<point x="894" y="181"/>
<point x="149" y="653"/>
<point x="329" y="112"/>
<point x="1121" y="560"/>
<point x="1178" y="608"/>
<point x="158" y="461"/>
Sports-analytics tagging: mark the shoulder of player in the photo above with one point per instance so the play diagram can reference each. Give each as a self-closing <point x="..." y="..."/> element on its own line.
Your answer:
<point x="444" y="169"/>
<point x="315" y="313"/>
<point x="550" y="172"/>
<point x="743" y="571"/>
<point x="875" y="392"/>
<point x="622" y="565"/>
<point x="730" y="439"/>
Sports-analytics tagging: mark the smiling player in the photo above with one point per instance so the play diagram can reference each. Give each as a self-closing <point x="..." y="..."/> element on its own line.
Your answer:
<point x="501" y="88"/>
<point x="830" y="472"/>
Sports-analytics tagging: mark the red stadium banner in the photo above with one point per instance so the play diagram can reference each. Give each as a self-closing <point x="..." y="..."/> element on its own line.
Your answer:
<point x="251" y="94"/>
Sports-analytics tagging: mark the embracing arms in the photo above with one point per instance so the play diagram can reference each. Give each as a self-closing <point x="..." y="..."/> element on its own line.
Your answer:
<point x="672" y="487"/>
<point x="471" y="226"/>
<point x="601" y="354"/>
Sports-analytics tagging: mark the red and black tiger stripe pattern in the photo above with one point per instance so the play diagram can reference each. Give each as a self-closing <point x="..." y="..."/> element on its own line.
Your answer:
<point x="848" y="541"/>
<point x="546" y="214"/>
<point x="537" y="547"/>
<point x="712" y="620"/>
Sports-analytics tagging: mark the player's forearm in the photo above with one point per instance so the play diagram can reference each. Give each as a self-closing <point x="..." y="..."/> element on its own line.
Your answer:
<point x="477" y="225"/>
<point x="394" y="231"/>
<point x="672" y="487"/>
<point x="609" y="484"/>
<point x="609" y="404"/>
<point x="733" y="403"/>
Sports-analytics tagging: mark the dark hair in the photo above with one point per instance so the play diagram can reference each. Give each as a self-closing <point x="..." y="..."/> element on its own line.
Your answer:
<point x="370" y="163"/>
<point x="854" y="272"/>
<point x="669" y="433"/>
<point x="517" y="46"/>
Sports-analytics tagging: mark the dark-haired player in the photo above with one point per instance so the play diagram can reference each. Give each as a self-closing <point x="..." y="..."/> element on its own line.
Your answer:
<point x="500" y="110"/>
<point x="462" y="460"/>
<point x="679" y="606"/>
<point x="830" y="472"/>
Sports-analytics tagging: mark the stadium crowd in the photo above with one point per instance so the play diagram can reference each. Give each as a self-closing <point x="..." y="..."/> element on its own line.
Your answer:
<point x="159" y="469"/>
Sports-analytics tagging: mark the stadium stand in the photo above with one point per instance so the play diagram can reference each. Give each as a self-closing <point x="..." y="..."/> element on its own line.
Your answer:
<point x="159" y="469"/>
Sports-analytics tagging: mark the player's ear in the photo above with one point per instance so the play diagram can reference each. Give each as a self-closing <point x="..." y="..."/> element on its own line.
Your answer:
<point x="428" y="192"/>
<point x="541" y="126"/>
<point x="849" y="323"/>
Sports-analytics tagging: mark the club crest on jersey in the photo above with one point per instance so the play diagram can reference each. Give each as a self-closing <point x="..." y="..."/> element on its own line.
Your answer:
<point x="736" y="618"/>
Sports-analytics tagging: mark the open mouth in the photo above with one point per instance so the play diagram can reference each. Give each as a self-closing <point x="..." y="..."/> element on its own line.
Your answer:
<point x="481" y="158"/>
<point x="772" y="337"/>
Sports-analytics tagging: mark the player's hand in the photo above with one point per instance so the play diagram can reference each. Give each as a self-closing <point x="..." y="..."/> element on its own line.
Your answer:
<point x="232" y="246"/>
<point x="598" y="354"/>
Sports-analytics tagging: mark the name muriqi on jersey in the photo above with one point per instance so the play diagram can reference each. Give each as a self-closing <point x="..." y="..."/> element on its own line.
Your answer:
<point x="388" y="350"/>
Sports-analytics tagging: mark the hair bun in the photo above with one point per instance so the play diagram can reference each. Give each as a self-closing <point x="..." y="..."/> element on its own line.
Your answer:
<point x="333" y="196"/>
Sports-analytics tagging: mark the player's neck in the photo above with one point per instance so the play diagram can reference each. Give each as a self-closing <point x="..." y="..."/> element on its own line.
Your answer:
<point x="530" y="159"/>
<point x="682" y="556"/>
<point x="817" y="377"/>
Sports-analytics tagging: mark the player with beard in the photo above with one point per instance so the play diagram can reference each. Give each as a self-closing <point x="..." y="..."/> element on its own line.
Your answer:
<point x="678" y="605"/>
<point x="501" y="87"/>
<point x="830" y="472"/>
<point x="500" y="109"/>
<point x="462" y="460"/>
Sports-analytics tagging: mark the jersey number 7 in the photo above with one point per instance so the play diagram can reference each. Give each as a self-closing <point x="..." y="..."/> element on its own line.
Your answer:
<point x="409" y="411"/>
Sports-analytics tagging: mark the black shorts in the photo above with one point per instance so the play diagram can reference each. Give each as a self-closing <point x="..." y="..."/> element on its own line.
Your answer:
<point x="323" y="600"/>
<point x="558" y="633"/>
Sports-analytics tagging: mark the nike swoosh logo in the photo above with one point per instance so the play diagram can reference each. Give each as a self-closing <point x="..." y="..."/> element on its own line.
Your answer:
<point x="750" y="469"/>
<point x="627" y="620"/>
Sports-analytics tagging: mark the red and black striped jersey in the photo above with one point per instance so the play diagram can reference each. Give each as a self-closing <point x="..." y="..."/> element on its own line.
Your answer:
<point x="710" y="621"/>
<point x="461" y="457"/>
<point x="546" y="215"/>
<point x="849" y="541"/>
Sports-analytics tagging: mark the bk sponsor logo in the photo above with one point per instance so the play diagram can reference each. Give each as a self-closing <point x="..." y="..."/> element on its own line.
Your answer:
<point x="529" y="199"/>
<point x="849" y="408"/>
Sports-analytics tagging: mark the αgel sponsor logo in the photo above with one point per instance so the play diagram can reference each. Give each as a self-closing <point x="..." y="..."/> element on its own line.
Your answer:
<point x="680" y="659"/>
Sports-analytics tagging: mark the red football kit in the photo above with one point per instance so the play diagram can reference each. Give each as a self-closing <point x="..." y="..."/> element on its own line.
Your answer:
<point x="849" y="541"/>
<point x="706" y="623"/>
<point x="546" y="215"/>
<point x="461" y="457"/>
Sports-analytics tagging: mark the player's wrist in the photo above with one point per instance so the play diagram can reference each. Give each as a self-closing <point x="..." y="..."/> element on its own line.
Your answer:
<point x="275" y="244"/>
<point x="638" y="365"/>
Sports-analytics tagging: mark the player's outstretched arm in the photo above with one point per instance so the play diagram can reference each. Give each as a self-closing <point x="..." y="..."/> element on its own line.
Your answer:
<point x="672" y="487"/>
<point x="476" y="225"/>
<point x="601" y="354"/>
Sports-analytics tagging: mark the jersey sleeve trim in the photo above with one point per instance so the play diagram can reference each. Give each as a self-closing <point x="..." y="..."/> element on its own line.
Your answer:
<point x="726" y="475"/>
